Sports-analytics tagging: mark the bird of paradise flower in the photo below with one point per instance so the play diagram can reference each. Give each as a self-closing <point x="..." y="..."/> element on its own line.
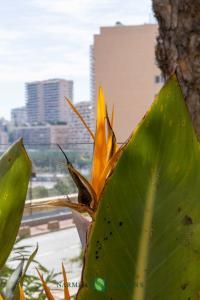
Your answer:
<point x="106" y="153"/>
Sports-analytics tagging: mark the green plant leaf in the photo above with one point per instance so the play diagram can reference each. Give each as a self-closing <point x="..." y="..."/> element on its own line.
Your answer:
<point x="16" y="293"/>
<point x="15" y="170"/>
<point x="145" y="241"/>
<point x="29" y="261"/>
<point x="11" y="285"/>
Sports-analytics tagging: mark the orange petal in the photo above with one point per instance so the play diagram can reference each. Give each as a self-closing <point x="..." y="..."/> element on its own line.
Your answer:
<point x="1" y="298"/>
<point x="111" y="143"/>
<point x="100" y="147"/>
<point x="112" y="148"/>
<point x="21" y="293"/>
<point x="66" y="290"/>
<point x="46" y="288"/>
<point x="80" y="117"/>
<point x="107" y="170"/>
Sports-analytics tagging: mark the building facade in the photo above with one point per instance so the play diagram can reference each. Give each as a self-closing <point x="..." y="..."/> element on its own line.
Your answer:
<point x="45" y="101"/>
<point x="78" y="135"/>
<point x="4" y="139"/>
<point x="18" y="116"/>
<point x="34" y="102"/>
<point x="4" y="134"/>
<point x="42" y="135"/>
<point x="123" y="63"/>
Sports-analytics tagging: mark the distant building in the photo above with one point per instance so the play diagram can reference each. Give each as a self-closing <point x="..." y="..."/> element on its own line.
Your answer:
<point x="42" y="135"/>
<point x="123" y="63"/>
<point x="4" y="124"/>
<point x="4" y="134"/>
<point x="4" y="139"/>
<point x="18" y="116"/>
<point x="73" y="136"/>
<point x="45" y="101"/>
<point x="34" y="102"/>
<point x="78" y="135"/>
<point x="93" y="94"/>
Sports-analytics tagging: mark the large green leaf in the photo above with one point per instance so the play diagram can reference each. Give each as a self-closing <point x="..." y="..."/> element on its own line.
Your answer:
<point x="15" y="170"/>
<point x="145" y="242"/>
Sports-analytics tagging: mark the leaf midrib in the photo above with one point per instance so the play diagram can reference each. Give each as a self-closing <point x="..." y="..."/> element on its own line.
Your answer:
<point x="143" y="249"/>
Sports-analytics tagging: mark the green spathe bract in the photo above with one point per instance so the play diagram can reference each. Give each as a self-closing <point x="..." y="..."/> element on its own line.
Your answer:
<point x="15" y="170"/>
<point x="145" y="241"/>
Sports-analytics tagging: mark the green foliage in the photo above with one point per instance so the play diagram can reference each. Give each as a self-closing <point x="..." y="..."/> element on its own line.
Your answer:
<point x="12" y="283"/>
<point x="40" y="192"/>
<point x="144" y="243"/>
<point x="62" y="187"/>
<point x="52" y="161"/>
<point x="31" y="283"/>
<point x="15" y="169"/>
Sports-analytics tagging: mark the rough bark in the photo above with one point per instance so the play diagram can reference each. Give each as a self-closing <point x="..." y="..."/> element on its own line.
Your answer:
<point x="178" y="48"/>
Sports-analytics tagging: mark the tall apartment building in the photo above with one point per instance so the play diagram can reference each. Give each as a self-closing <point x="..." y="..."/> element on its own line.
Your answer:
<point x="78" y="135"/>
<point x="18" y="116"/>
<point x="4" y="134"/>
<point x="45" y="100"/>
<point x="123" y="63"/>
<point x="4" y="139"/>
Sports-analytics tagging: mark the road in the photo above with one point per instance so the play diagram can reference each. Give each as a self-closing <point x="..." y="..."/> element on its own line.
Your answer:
<point x="55" y="248"/>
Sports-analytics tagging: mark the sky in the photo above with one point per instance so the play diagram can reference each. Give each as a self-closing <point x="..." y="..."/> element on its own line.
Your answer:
<point x="42" y="39"/>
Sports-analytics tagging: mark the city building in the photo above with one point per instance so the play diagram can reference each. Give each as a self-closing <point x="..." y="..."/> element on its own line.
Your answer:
<point x="4" y="139"/>
<point x="42" y="135"/>
<point x="45" y="101"/>
<point x="123" y="63"/>
<point x="18" y="116"/>
<point x="34" y="102"/>
<point x="78" y="135"/>
<point x="4" y="134"/>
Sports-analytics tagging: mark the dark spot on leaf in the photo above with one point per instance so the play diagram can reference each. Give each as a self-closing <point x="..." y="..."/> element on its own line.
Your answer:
<point x="187" y="220"/>
<point x="9" y="159"/>
<point x="179" y="209"/>
<point x="106" y="238"/>
<point x="97" y="256"/>
<point x="111" y="233"/>
<point x="108" y="222"/>
<point x="97" y="242"/>
<point x="183" y="286"/>
<point x="120" y="223"/>
<point x="96" y="252"/>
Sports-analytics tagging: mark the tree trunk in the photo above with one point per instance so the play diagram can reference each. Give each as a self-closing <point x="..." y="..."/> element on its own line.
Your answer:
<point x="178" y="48"/>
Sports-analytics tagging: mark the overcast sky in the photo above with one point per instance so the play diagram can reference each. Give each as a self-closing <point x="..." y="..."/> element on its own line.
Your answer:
<point x="42" y="39"/>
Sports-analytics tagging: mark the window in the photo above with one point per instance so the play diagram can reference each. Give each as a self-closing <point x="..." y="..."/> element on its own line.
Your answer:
<point x="159" y="79"/>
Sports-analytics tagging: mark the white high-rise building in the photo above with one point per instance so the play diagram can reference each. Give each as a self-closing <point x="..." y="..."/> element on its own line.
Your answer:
<point x="4" y="134"/>
<point x="18" y="116"/>
<point x="79" y="136"/>
<point x="46" y="101"/>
